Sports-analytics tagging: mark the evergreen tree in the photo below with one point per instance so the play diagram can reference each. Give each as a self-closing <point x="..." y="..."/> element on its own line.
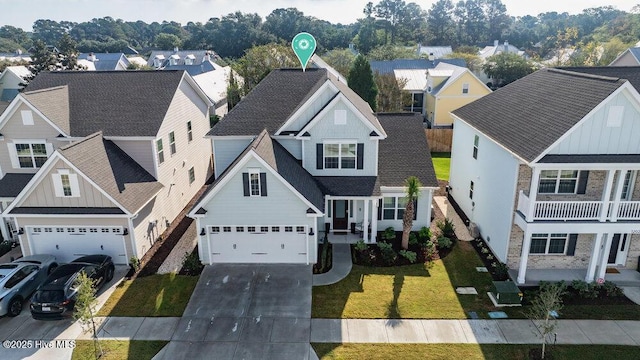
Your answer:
<point x="68" y="55"/>
<point x="361" y="81"/>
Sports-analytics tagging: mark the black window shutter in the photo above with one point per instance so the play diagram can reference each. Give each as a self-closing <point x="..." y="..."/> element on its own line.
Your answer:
<point x="319" y="156"/>
<point x="571" y="249"/>
<point x="583" y="176"/>
<point x="360" y="155"/>
<point x="415" y="209"/>
<point x="245" y="183"/>
<point x="263" y="184"/>
<point x="380" y="209"/>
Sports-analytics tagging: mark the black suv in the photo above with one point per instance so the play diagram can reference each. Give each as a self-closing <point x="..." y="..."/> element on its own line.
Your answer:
<point x="56" y="297"/>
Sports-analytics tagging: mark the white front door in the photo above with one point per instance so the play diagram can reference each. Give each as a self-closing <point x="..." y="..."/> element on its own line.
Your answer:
<point x="70" y="242"/>
<point x="619" y="250"/>
<point x="258" y="244"/>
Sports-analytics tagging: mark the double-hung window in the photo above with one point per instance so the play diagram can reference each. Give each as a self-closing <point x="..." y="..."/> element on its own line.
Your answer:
<point x="254" y="183"/>
<point x="160" y="151"/>
<point x="340" y="155"/>
<point x="558" y="182"/>
<point x="31" y="155"/>
<point x="476" y="142"/>
<point x="543" y="244"/>
<point x="465" y="88"/>
<point x="172" y="142"/>
<point x="189" y="131"/>
<point x="393" y="207"/>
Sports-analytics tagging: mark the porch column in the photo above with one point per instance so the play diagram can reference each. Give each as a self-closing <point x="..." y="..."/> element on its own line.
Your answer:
<point x="524" y="256"/>
<point x="595" y="256"/>
<point x="604" y="256"/>
<point x="606" y="195"/>
<point x="616" y="199"/>
<point x="374" y="220"/>
<point x="365" y="222"/>
<point x="533" y="193"/>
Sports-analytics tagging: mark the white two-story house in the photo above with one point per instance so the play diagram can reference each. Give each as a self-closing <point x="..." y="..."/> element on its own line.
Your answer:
<point x="101" y="162"/>
<point x="546" y="167"/>
<point x="302" y="156"/>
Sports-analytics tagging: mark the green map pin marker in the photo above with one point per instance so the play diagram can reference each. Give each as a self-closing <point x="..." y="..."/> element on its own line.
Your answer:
<point x="303" y="44"/>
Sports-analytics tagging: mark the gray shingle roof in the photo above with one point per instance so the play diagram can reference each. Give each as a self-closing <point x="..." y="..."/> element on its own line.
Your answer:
<point x="53" y="103"/>
<point x="11" y="184"/>
<point x="284" y="163"/>
<point x="106" y="61"/>
<point x="113" y="171"/>
<point x="271" y="102"/>
<point x="530" y="114"/>
<point x="387" y="66"/>
<point x="405" y="152"/>
<point x="199" y="56"/>
<point x="630" y="73"/>
<point x="349" y="185"/>
<point x="118" y="103"/>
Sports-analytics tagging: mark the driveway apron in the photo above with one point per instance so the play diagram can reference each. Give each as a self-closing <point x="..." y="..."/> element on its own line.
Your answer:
<point x="246" y="311"/>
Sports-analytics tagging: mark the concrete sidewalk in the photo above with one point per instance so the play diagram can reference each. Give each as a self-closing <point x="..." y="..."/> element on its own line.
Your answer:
<point x="578" y="332"/>
<point x="340" y="266"/>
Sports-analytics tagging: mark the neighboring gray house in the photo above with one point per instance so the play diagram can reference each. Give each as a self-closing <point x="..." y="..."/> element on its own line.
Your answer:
<point x="106" y="61"/>
<point x="553" y="187"/>
<point x="629" y="57"/>
<point x="91" y="163"/>
<point x="498" y="48"/>
<point x="192" y="61"/>
<point x="301" y="156"/>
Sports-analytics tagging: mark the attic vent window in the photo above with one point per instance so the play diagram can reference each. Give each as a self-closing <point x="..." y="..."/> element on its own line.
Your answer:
<point x="27" y="117"/>
<point x="340" y="117"/>
<point x="614" y="118"/>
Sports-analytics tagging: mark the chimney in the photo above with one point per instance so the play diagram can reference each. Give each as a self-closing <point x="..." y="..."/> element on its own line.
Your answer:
<point x="431" y="57"/>
<point x="91" y="57"/>
<point x="496" y="43"/>
<point x="175" y="49"/>
<point x="506" y="46"/>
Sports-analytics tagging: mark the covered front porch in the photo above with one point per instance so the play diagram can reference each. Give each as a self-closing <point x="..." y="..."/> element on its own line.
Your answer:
<point x="350" y="219"/>
<point x="620" y="276"/>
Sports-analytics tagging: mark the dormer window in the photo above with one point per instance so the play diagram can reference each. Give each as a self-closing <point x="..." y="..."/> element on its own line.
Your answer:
<point x="189" y="59"/>
<point x="157" y="61"/>
<point x="173" y="60"/>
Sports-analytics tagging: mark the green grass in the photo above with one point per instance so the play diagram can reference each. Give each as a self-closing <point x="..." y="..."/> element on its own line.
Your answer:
<point x="118" y="349"/>
<point x="470" y="351"/>
<point x="442" y="164"/>
<point x="155" y="295"/>
<point x="410" y="292"/>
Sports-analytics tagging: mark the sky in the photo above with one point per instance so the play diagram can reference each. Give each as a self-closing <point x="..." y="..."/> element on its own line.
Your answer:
<point x="22" y="13"/>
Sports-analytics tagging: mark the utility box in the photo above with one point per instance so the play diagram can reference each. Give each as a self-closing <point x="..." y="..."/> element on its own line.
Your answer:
<point x="506" y="293"/>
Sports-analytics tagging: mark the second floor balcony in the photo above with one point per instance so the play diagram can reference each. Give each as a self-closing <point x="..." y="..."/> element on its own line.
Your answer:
<point x="578" y="210"/>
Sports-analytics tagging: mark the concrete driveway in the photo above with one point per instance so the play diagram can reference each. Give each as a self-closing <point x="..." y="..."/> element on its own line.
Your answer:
<point x="244" y="311"/>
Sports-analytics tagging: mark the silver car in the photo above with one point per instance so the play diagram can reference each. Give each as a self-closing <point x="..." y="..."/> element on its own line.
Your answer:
<point x="20" y="278"/>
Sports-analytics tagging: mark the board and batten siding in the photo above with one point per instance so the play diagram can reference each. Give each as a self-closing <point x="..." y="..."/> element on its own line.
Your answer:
<point x="596" y="136"/>
<point x="423" y="217"/>
<point x="44" y="195"/>
<point x="354" y="130"/>
<point x="494" y="174"/>
<point x="15" y="130"/>
<point x="141" y="151"/>
<point x="323" y="99"/>
<point x="225" y="151"/>
<point x="173" y="173"/>
<point x="25" y="222"/>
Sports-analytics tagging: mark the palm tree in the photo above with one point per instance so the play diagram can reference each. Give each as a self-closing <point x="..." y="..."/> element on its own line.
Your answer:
<point x="413" y="191"/>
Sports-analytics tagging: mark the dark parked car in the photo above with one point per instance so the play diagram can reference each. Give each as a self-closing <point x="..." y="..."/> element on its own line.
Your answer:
<point x="18" y="279"/>
<point x="56" y="297"/>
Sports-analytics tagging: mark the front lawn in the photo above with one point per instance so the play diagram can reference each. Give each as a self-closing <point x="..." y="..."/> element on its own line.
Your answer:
<point x="409" y="292"/>
<point x="155" y="295"/>
<point x="442" y="164"/>
<point x="118" y="349"/>
<point x="470" y="351"/>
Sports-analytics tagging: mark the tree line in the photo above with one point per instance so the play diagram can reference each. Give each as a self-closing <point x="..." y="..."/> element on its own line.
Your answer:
<point x="388" y="22"/>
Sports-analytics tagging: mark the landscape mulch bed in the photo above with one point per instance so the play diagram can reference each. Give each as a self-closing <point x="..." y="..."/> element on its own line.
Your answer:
<point x="375" y="256"/>
<point x="192" y="272"/>
<point x="317" y="267"/>
<point x="489" y="262"/>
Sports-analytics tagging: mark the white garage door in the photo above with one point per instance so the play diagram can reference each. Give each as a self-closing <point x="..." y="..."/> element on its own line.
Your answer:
<point x="68" y="243"/>
<point x="258" y="244"/>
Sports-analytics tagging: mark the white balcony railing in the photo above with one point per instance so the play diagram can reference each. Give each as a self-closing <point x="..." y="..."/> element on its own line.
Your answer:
<point x="578" y="210"/>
